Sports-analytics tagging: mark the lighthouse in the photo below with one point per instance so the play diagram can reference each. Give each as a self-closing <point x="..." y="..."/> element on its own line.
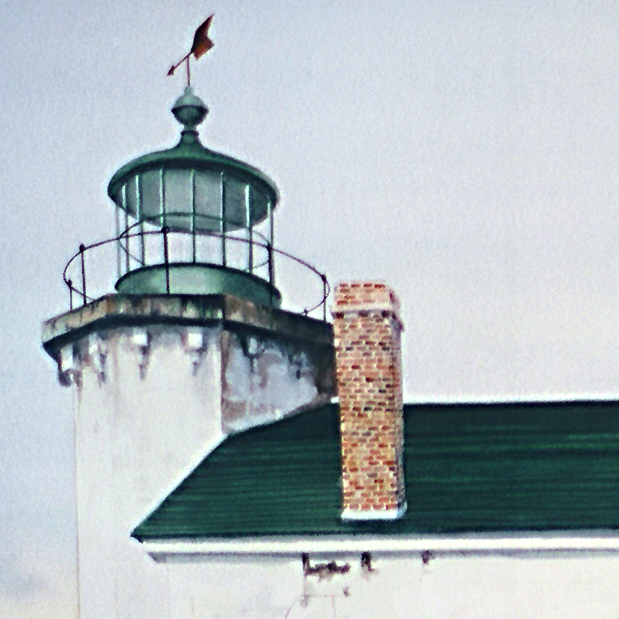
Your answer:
<point x="187" y="343"/>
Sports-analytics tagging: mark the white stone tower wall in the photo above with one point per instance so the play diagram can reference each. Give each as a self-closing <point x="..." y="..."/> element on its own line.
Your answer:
<point x="152" y="401"/>
<point x="147" y="411"/>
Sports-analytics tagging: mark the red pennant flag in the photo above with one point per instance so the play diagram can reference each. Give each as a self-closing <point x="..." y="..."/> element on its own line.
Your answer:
<point x="201" y="45"/>
<point x="201" y="42"/>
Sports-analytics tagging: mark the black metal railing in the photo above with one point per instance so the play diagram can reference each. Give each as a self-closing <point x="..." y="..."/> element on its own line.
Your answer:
<point x="127" y="261"/>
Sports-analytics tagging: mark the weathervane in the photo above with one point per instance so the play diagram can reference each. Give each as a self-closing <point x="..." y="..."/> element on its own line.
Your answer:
<point x="201" y="45"/>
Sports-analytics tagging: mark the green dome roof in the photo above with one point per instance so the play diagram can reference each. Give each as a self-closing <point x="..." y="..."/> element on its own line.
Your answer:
<point x="190" y="155"/>
<point x="195" y="155"/>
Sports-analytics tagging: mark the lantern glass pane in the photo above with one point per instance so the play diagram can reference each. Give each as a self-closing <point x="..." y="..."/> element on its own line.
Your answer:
<point x="235" y="204"/>
<point x="258" y="206"/>
<point x="208" y="200"/>
<point x="150" y="193"/>
<point x="178" y="206"/>
<point x="131" y="196"/>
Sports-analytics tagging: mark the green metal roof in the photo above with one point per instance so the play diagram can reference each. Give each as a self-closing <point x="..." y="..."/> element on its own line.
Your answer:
<point x="190" y="153"/>
<point x="469" y="468"/>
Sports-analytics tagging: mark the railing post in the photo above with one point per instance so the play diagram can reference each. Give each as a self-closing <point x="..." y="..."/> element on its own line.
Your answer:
<point x="127" y="235"/>
<point x="118" y="243"/>
<point x="166" y="260"/>
<point x="248" y="225"/>
<point x="82" y="250"/>
<point x="250" y="249"/>
<point x="324" y="296"/>
<point x="271" y="266"/>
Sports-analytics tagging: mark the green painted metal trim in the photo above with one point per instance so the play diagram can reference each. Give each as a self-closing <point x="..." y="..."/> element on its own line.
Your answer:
<point x="199" y="279"/>
<point x="190" y="153"/>
<point x="469" y="468"/>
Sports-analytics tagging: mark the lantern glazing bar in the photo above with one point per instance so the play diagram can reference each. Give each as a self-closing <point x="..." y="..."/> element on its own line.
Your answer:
<point x="117" y="221"/>
<point x="192" y="177"/>
<point x="222" y="219"/>
<point x="162" y="204"/>
<point x="125" y="202"/>
<point x="271" y="233"/>
<point x="138" y="199"/>
<point x="248" y="223"/>
<point x="162" y="209"/>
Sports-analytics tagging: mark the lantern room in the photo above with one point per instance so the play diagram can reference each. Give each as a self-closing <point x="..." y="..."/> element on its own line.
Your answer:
<point x="194" y="221"/>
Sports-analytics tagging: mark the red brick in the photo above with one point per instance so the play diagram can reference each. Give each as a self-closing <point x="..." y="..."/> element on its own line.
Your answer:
<point x="367" y="330"/>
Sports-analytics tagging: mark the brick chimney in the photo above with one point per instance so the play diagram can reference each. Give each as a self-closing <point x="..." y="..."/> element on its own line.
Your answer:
<point x="367" y="329"/>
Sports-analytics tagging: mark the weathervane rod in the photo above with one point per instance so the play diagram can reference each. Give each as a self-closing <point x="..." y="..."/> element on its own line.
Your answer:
<point x="201" y="45"/>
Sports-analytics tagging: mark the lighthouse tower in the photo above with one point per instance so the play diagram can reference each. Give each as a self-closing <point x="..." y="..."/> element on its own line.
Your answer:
<point x="190" y="345"/>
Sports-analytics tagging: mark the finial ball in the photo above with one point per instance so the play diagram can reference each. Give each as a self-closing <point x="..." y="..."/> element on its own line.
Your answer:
<point x="189" y="110"/>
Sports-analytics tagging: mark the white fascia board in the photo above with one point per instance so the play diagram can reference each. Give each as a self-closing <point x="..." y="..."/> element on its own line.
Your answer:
<point x="499" y="544"/>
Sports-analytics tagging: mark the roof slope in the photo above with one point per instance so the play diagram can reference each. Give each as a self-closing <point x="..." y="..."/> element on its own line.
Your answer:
<point x="468" y="467"/>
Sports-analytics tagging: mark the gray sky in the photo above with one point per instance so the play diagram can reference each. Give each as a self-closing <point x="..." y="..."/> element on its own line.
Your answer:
<point x="463" y="151"/>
